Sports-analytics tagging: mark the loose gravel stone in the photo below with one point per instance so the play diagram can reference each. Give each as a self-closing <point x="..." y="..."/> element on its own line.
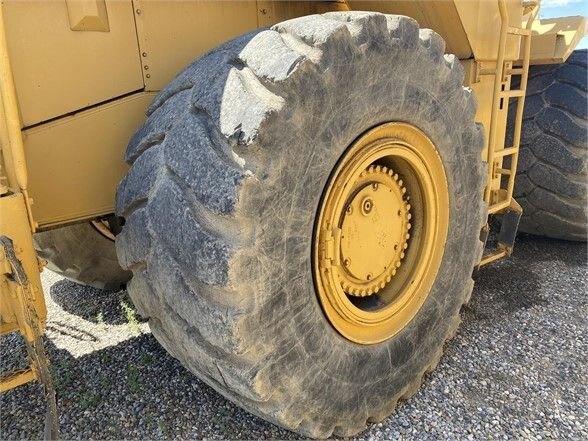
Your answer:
<point x="518" y="367"/>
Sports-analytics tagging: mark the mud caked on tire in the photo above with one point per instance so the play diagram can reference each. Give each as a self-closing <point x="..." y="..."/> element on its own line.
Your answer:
<point x="552" y="173"/>
<point x="222" y="195"/>
<point x="81" y="253"/>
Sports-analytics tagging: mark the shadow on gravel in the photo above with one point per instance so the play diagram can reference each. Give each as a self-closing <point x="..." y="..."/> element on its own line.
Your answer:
<point x="542" y="249"/>
<point x="71" y="331"/>
<point x="514" y="283"/>
<point x="127" y="391"/>
<point x="514" y="288"/>
<point x="503" y="288"/>
<point x="135" y="390"/>
<point x="92" y="304"/>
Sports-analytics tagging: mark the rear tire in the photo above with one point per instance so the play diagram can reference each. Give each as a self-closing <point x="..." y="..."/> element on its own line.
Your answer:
<point x="82" y="254"/>
<point x="552" y="174"/>
<point x="220" y="203"/>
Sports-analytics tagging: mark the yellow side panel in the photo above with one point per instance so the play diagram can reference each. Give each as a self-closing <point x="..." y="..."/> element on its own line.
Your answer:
<point x="58" y="70"/>
<point x="556" y="38"/>
<point x="272" y="12"/>
<point x="172" y="34"/>
<point x="441" y="16"/>
<point x="76" y="163"/>
<point x="481" y="22"/>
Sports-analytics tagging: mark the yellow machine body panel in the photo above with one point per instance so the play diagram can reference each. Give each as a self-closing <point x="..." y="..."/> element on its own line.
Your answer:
<point x="190" y="30"/>
<point x="555" y="39"/>
<point x="481" y="22"/>
<point x="271" y="12"/>
<point x="58" y="69"/>
<point x="76" y="162"/>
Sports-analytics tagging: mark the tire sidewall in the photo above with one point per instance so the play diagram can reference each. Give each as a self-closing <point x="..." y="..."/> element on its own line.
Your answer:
<point x="353" y="96"/>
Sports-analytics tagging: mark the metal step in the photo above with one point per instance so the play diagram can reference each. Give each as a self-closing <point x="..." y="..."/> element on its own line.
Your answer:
<point x="505" y="152"/>
<point x="513" y="93"/>
<point x="519" y="31"/>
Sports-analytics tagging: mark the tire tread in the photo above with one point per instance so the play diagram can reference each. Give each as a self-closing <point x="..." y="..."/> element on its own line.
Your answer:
<point x="554" y="185"/>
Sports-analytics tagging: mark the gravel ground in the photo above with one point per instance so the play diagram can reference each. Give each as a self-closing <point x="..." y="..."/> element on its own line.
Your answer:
<point x="518" y="367"/>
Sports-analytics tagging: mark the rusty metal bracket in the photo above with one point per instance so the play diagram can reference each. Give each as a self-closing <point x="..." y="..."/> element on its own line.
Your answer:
<point x="21" y="301"/>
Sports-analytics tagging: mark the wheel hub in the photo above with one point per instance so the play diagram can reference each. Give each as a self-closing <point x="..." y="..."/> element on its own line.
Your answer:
<point x="380" y="232"/>
<point x="374" y="231"/>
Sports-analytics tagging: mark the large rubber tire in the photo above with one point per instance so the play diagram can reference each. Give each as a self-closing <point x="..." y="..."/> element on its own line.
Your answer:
<point x="80" y="253"/>
<point x="220" y="202"/>
<point x="552" y="175"/>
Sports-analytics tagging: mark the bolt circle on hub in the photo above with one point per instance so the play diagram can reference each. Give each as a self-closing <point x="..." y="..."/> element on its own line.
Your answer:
<point x="370" y="229"/>
<point x="380" y="233"/>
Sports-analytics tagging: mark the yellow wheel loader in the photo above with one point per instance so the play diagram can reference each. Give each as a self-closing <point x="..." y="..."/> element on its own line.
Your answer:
<point x="294" y="193"/>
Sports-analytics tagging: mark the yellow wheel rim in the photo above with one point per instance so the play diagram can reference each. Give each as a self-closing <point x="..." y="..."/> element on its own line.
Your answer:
<point x="381" y="232"/>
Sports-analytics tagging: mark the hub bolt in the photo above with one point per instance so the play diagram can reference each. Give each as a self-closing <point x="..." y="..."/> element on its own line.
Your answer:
<point x="367" y="206"/>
